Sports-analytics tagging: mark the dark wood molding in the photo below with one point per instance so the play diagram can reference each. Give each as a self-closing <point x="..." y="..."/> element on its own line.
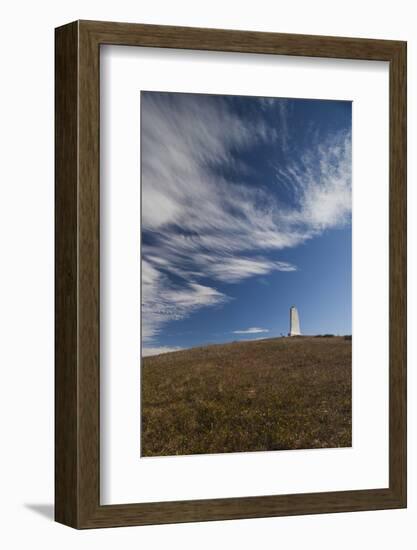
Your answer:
<point x="66" y="238"/>
<point x="77" y="473"/>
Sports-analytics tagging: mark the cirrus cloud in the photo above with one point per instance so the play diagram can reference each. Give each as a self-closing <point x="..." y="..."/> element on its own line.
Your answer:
<point x="251" y="330"/>
<point x="200" y="227"/>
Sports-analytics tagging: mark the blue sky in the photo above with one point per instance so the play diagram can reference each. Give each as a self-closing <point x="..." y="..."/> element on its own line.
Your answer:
<point x="246" y="210"/>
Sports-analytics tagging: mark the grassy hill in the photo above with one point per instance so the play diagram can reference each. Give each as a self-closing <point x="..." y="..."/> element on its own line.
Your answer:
<point x="282" y="393"/>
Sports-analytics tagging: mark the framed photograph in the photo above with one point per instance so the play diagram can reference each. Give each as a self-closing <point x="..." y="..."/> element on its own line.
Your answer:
<point x="230" y="274"/>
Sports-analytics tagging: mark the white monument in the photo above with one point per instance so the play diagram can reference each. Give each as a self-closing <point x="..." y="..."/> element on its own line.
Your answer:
<point x="294" y="322"/>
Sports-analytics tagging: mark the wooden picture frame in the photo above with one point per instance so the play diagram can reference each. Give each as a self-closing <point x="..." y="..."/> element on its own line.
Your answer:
<point x="77" y="374"/>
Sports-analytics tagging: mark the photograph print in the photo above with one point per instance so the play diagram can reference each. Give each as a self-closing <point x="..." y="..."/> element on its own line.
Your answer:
<point x="246" y="255"/>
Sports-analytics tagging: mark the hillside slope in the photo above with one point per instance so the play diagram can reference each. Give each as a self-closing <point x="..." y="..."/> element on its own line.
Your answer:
<point x="282" y="393"/>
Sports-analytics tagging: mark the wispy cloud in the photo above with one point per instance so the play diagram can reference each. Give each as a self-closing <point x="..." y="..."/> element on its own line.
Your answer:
<point x="233" y="269"/>
<point x="200" y="227"/>
<point x="251" y="330"/>
<point x="321" y="182"/>
<point x="163" y="300"/>
<point x="147" y="352"/>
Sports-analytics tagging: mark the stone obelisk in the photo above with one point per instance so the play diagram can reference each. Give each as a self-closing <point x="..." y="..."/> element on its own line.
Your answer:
<point x="294" y="322"/>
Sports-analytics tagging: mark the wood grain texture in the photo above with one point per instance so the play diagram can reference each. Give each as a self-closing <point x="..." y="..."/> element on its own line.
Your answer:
<point x="398" y="273"/>
<point x="66" y="237"/>
<point x="78" y="286"/>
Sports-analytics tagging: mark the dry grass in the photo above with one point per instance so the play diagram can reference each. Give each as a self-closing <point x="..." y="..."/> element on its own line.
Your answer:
<point x="283" y="393"/>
